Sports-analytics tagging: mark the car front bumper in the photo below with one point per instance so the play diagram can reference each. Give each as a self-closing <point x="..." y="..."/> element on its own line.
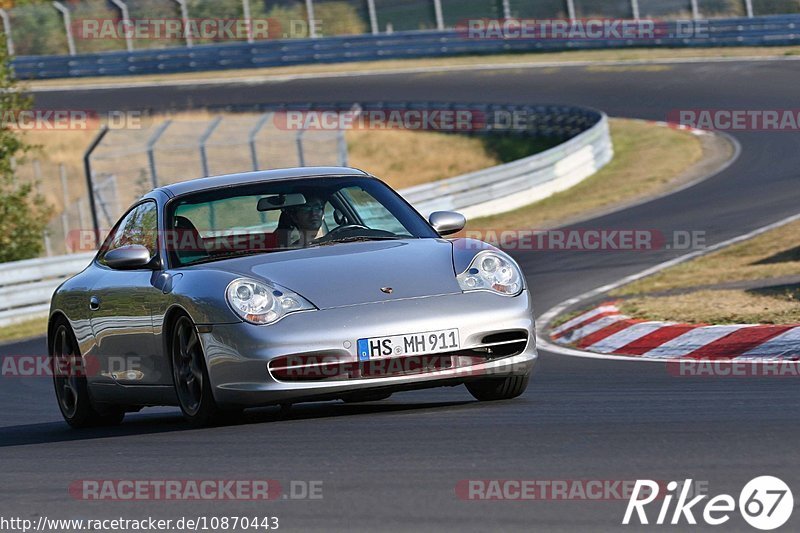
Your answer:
<point x="238" y="355"/>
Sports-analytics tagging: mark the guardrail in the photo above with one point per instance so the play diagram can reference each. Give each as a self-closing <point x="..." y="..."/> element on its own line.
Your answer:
<point x="27" y="286"/>
<point x="507" y="187"/>
<point x="759" y="31"/>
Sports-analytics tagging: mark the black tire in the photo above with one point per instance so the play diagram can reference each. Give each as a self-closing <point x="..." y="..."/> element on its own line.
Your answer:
<point x="493" y="389"/>
<point x="71" y="388"/>
<point x="190" y="375"/>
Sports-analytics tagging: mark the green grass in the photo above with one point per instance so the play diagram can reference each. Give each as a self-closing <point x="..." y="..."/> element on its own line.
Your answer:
<point x="24" y="330"/>
<point x="771" y="255"/>
<point x="775" y="254"/>
<point x="719" y="307"/>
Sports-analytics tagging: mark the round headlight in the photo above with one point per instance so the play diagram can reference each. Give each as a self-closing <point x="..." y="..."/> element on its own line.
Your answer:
<point x="492" y="271"/>
<point x="259" y="302"/>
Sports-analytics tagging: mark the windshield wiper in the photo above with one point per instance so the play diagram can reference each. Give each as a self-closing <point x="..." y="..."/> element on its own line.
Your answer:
<point x="231" y="255"/>
<point x="359" y="238"/>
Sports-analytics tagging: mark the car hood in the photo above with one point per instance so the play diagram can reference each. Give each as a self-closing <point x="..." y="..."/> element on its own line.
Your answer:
<point x="354" y="273"/>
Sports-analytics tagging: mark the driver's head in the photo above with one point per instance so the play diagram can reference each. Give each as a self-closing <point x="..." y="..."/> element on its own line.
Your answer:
<point x="308" y="217"/>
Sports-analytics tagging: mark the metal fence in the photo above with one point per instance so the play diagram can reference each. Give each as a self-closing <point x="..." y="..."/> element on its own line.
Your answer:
<point x="131" y="161"/>
<point x="90" y="26"/>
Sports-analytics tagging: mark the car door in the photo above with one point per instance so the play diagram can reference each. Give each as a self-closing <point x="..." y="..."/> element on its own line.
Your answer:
<point x="121" y="305"/>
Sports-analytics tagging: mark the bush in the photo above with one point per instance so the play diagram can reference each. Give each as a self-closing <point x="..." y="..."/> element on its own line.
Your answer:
<point x="776" y="7"/>
<point x="336" y="18"/>
<point x="38" y="29"/>
<point x="23" y="213"/>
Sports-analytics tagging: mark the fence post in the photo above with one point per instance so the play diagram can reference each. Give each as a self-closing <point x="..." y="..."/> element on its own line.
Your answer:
<point x="301" y="156"/>
<point x="67" y="25"/>
<point x="185" y="19"/>
<point x="87" y="166"/>
<point x="115" y="197"/>
<point x="48" y="247"/>
<point x="248" y="17"/>
<point x="62" y="171"/>
<point x="37" y="188"/>
<point x="506" y="9"/>
<point x="635" y="9"/>
<point x="341" y="143"/>
<point x="437" y="10"/>
<point x="7" y="31"/>
<point x="373" y="17"/>
<point x="252" y="139"/>
<point x="312" y="28"/>
<point x="37" y="172"/>
<point x="571" y="10"/>
<point x="126" y="21"/>
<point x="82" y="214"/>
<point x="203" y="140"/>
<point x="748" y="4"/>
<point x="695" y="10"/>
<point x="151" y="156"/>
<point x="100" y="192"/>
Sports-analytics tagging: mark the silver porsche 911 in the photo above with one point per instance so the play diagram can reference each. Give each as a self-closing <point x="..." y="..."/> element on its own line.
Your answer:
<point x="277" y="287"/>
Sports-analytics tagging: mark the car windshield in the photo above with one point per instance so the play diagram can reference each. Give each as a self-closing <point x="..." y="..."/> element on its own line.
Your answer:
<point x="287" y="215"/>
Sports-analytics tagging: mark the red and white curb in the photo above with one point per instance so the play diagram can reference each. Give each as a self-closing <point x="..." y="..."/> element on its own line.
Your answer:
<point x="605" y="330"/>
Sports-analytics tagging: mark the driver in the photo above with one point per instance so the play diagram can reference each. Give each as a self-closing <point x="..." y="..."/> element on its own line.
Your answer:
<point x="302" y="224"/>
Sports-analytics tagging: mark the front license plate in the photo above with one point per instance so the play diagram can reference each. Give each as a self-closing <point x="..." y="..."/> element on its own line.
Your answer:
<point x="412" y="344"/>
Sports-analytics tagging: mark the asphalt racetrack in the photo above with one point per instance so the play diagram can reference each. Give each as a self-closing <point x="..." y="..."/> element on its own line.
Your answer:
<point x="395" y="464"/>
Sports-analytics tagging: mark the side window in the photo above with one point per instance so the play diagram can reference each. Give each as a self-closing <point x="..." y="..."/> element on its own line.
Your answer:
<point x="139" y="226"/>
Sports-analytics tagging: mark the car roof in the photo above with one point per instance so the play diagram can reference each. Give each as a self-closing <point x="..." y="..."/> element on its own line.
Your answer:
<point x="245" y="178"/>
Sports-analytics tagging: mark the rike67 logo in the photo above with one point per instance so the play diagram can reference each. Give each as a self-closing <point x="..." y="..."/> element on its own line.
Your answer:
<point x="765" y="503"/>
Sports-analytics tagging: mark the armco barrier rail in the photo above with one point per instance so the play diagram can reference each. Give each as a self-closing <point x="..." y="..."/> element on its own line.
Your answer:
<point x="27" y="286"/>
<point x="759" y="31"/>
<point x="507" y="187"/>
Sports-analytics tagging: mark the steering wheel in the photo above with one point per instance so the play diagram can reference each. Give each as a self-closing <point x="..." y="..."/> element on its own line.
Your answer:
<point x="347" y="227"/>
<point x="331" y="235"/>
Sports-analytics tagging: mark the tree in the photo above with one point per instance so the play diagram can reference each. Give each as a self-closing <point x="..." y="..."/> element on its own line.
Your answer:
<point x="37" y="28"/>
<point x="24" y="214"/>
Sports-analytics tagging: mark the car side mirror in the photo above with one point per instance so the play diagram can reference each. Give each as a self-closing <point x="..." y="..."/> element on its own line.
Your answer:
<point x="130" y="257"/>
<point x="447" y="222"/>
